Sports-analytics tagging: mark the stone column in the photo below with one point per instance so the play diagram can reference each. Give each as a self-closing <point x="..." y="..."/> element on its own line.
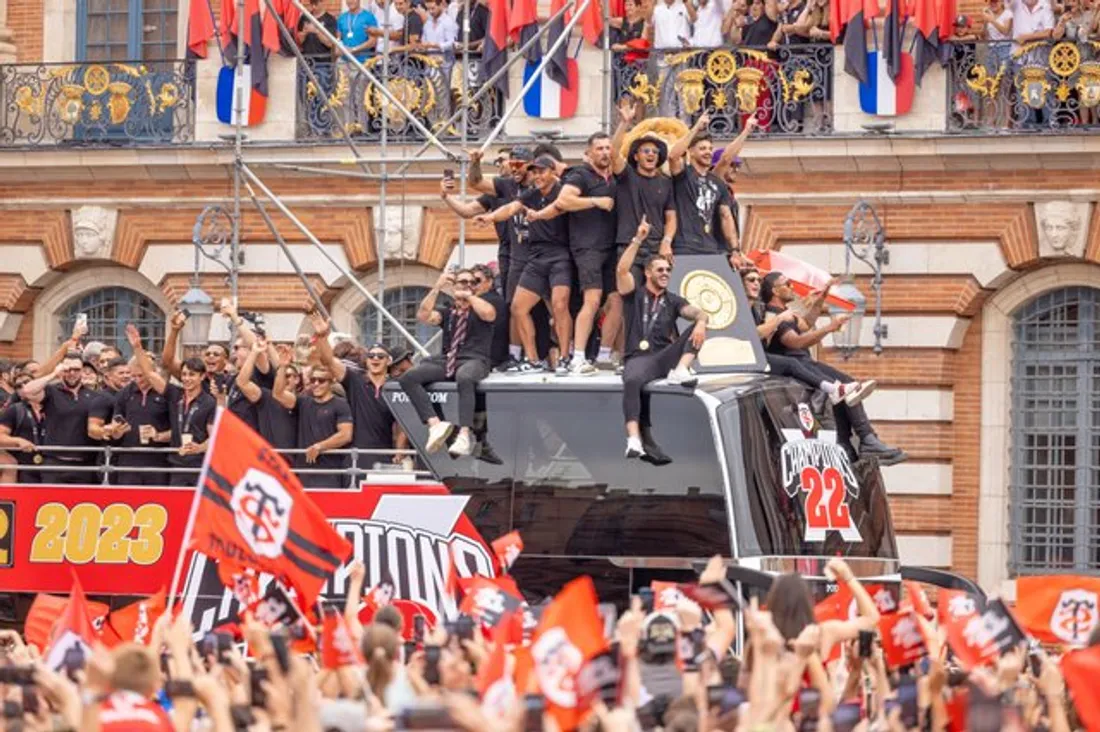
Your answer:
<point x="7" y="38"/>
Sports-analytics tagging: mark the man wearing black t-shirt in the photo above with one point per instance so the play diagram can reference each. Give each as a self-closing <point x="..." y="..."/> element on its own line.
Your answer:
<point x="191" y="410"/>
<point x="22" y="430"/>
<point x="324" y="424"/>
<point x="67" y="405"/>
<point x="278" y="422"/>
<point x="588" y="195"/>
<point x="653" y="346"/>
<point x="467" y="340"/>
<point x="145" y="423"/>
<point x="315" y="46"/>
<point x="548" y="274"/>
<point x="704" y="212"/>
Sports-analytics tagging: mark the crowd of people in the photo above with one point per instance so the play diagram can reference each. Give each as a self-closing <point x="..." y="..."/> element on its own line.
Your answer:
<point x="668" y="662"/>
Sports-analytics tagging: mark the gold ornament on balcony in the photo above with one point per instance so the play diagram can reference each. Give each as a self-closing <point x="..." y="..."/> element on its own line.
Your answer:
<point x="748" y="88"/>
<point x="27" y="101"/>
<point x="642" y="89"/>
<point x="168" y="97"/>
<point x="979" y="80"/>
<point x="689" y="85"/>
<point x="119" y="104"/>
<point x="1088" y="84"/>
<point x="721" y="66"/>
<point x="71" y="103"/>
<point x="1033" y="85"/>
<point x="1065" y="57"/>
<point x="407" y="92"/>
<point x="798" y="87"/>
<point x="96" y="79"/>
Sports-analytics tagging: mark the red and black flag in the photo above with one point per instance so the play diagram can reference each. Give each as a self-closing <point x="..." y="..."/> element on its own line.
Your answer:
<point x="857" y="14"/>
<point x="523" y="24"/>
<point x="507" y="549"/>
<point x="134" y="622"/>
<point x="893" y="29"/>
<point x="1081" y="669"/>
<point x="253" y="512"/>
<point x="1059" y="608"/>
<point x="200" y="28"/>
<point x="558" y="68"/>
<point x="927" y="37"/>
<point x="494" y="52"/>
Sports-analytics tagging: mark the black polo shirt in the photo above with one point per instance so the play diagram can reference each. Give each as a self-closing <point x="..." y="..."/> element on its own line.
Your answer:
<point x="498" y="350"/>
<point x="195" y="418"/>
<point x="594" y="228"/>
<point x="21" y="421"/>
<point x="650" y="318"/>
<point x="548" y="238"/>
<point x="776" y="346"/>
<point x="373" y="419"/>
<point x="318" y="421"/>
<point x="139" y="408"/>
<point x="479" y="335"/>
<point x="278" y="425"/>
<point x="312" y="47"/>
<point x="67" y="413"/>
<point x="637" y="195"/>
<point x="505" y="190"/>
<point x="104" y="406"/>
<point x="698" y="223"/>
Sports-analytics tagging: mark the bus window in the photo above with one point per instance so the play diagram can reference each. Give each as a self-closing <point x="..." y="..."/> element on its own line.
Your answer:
<point x="576" y="495"/>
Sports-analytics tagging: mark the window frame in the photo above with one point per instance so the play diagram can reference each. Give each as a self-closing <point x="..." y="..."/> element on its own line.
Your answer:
<point x="396" y="342"/>
<point x="153" y="328"/>
<point x="135" y="41"/>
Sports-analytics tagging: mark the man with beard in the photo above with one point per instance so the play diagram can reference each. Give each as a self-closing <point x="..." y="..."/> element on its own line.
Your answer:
<point x="67" y="405"/>
<point x="191" y="409"/>
<point x="278" y="422"/>
<point x="588" y="196"/>
<point x="324" y="424"/>
<point x="703" y="205"/>
<point x="145" y="423"/>
<point x="653" y="347"/>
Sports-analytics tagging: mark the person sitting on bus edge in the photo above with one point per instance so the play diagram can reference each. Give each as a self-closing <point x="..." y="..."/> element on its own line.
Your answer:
<point x="652" y="347"/>
<point x="793" y="338"/>
<point x="467" y="340"/>
<point x="851" y="393"/>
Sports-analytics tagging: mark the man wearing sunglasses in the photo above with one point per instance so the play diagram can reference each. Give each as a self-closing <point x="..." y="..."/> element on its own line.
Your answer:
<point x="324" y="424"/>
<point x="467" y="339"/>
<point x="653" y="347"/>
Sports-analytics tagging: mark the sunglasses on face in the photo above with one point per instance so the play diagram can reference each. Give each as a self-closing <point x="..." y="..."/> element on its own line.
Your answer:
<point x="72" y="369"/>
<point x="662" y="270"/>
<point x="214" y="354"/>
<point x="464" y="281"/>
<point x="319" y="380"/>
<point x="753" y="278"/>
<point x="377" y="356"/>
<point x="648" y="151"/>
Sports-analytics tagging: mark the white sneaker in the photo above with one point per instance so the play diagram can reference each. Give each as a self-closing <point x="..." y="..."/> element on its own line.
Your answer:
<point x="437" y="435"/>
<point x="856" y="393"/>
<point x="634" y="447"/>
<point x="583" y="367"/>
<point x="836" y="396"/>
<point x="461" y="446"/>
<point x="683" y="377"/>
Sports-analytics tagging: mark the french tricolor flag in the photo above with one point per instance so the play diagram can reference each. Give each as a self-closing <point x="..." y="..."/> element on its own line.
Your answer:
<point x="547" y="99"/>
<point x="255" y="103"/>
<point x="883" y="96"/>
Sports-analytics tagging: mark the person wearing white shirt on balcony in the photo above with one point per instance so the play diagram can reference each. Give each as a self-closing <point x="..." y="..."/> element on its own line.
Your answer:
<point x="1034" y="21"/>
<point x="440" y="30"/>
<point x="670" y="25"/>
<point x="706" y="22"/>
<point x="391" y="23"/>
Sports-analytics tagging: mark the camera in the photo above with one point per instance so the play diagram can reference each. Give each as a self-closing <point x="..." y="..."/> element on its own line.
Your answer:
<point x="431" y="664"/>
<point x="462" y="628"/>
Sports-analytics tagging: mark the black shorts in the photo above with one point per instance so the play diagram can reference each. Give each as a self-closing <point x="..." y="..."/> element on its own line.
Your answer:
<point x="596" y="269"/>
<point x="541" y="276"/>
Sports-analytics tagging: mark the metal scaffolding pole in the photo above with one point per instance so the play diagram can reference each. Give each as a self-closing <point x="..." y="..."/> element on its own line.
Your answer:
<point x="380" y="224"/>
<point x="608" y="84"/>
<point x="514" y="104"/>
<point x="465" y="127"/>
<point x="352" y="173"/>
<point x="270" y="195"/>
<point x="238" y="138"/>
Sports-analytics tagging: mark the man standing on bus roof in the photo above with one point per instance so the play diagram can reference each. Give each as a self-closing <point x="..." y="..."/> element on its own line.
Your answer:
<point x="467" y="342"/>
<point x="653" y="347"/>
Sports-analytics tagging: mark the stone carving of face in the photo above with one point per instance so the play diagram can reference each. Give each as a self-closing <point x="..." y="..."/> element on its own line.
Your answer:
<point x="1060" y="225"/>
<point x="92" y="231"/>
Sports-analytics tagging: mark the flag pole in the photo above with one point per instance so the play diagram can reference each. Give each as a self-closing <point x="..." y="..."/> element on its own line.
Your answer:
<point x="194" y="510"/>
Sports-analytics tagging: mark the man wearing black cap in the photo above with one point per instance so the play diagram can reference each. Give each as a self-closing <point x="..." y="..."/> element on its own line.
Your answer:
<point x="643" y="190"/>
<point x="548" y="274"/>
<point x="653" y="347"/>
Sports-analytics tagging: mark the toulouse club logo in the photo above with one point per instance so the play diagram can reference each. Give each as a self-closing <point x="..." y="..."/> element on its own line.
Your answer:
<point x="815" y="466"/>
<point x="1074" y="616"/>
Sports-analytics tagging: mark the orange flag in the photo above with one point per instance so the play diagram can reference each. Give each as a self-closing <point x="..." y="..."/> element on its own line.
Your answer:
<point x="1059" y="609"/>
<point x="74" y="630"/>
<point x="1082" y="669"/>
<point x="918" y="598"/>
<point x="337" y="647"/>
<point x="44" y="614"/>
<point x="134" y="622"/>
<point x="507" y="549"/>
<point x="569" y="635"/>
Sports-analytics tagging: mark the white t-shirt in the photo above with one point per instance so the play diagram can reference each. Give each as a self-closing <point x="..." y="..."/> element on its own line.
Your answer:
<point x="1025" y="21"/>
<point x="670" y="24"/>
<point x="995" y="35"/>
<point x="707" y="32"/>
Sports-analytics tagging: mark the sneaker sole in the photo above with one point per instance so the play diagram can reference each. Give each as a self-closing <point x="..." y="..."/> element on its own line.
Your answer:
<point x="434" y="445"/>
<point x="854" y="399"/>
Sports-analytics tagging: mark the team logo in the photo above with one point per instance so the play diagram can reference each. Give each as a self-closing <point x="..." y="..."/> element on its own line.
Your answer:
<point x="1074" y="616"/>
<point x="806" y="418"/>
<point x="557" y="663"/>
<point x="261" y="508"/>
<point x="961" y="606"/>
<point x="905" y="633"/>
<point x="141" y="628"/>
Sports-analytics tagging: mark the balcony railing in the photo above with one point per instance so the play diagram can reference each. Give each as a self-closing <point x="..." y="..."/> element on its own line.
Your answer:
<point x="1001" y="86"/>
<point x="787" y="89"/>
<point x="428" y="84"/>
<point x="97" y="103"/>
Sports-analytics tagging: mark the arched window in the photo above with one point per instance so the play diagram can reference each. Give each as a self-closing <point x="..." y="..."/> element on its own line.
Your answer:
<point x="402" y="303"/>
<point x="109" y="310"/>
<point x="1055" y="479"/>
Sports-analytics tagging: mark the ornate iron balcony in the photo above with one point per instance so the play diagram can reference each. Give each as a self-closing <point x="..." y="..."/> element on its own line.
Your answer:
<point x="101" y="104"/>
<point x="788" y="89"/>
<point x="1002" y="86"/>
<point x="428" y="84"/>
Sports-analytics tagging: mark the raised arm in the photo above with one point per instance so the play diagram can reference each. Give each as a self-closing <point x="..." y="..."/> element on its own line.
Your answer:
<point x="482" y="308"/>
<point x="624" y="278"/>
<point x="35" y="387"/>
<point x="502" y="213"/>
<point x="323" y="349"/>
<point x="793" y="340"/>
<point x="679" y="148"/>
<point x="734" y="148"/>
<point x="474" y="177"/>
<point x="465" y="209"/>
<point x="426" y="313"/>
<point x="245" y="333"/>
<point x="627" y="110"/>
<point x="278" y="390"/>
<point x="248" y="387"/>
<point x="80" y="330"/>
<point x="168" y="358"/>
<point x="142" y="362"/>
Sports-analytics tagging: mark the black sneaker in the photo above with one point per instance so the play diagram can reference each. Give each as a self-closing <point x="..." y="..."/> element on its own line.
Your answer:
<point x="507" y="366"/>
<point x="531" y="367"/>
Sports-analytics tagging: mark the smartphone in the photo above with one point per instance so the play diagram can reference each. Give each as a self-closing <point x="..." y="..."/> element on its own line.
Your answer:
<point x="174" y="688"/>
<point x="281" y="648"/>
<point x="534" y="706"/>
<point x="726" y="698"/>
<point x="30" y="700"/>
<point x="866" y="643"/>
<point x="907" y="698"/>
<point x="809" y="703"/>
<point x="431" y="665"/>
<point x="846" y="717"/>
<point x="257" y="675"/>
<point x="462" y="628"/>
<point x="12" y="710"/>
<point x="118" y="419"/>
<point x="217" y="645"/>
<point x="433" y="716"/>
<point x="448" y="174"/>
<point x="1035" y="662"/>
<point x="420" y="624"/>
<point x="72" y="662"/>
<point x="16" y="675"/>
<point x="82" y="319"/>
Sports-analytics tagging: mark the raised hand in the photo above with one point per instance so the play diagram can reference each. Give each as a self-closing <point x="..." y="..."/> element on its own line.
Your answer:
<point x="643" y="229"/>
<point x="177" y="320"/>
<point x="319" y="322"/>
<point x="627" y="109"/>
<point x="133" y="336"/>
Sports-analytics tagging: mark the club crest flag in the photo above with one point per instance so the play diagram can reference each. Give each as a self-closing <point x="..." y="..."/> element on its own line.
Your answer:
<point x="134" y="622"/>
<point x="74" y="630"/>
<point x="1058" y="609"/>
<point x="507" y="549"/>
<point x="253" y="512"/>
<point x="882" y="96"/>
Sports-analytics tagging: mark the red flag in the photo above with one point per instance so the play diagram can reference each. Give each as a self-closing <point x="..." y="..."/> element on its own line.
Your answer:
<point x="252" y="511"/>
<point x="838" y="19"/>
<point x="666" y="595"/>
<point x="44" y="614"/>
<point x="227" y="24"/>
<point x="507" y="549"/>
<point x="902" y="642"/>
<point x="979" y="638"/>
<point x="496" y="687"/>
<point x="1082" y="669"/>
<point x="523" y="22"/>
<point x="491" y="600"/>
<point x="337" y="647"/>
<point x="918" y="598"/>
<point x="952" y="605"/>
<point x="569" y="635"/>
<point x="134" y="622"/>
<point x="200" y="27"/>
<point x="945" y="14"/>
<point x="591" y="22"/>
<point x="1058" y="608"/>
<point x="75" y="629"/>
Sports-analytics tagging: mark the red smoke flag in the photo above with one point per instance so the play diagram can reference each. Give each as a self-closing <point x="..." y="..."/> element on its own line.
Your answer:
<point x="134" y="623"/>
<point x="337" y="647"/>
<point x="252" y="511"/>
<point x="1058" y="609"/>
<point x="74" y="630"/>
<point x="200" y="28"/>
<point x="1081" y="670"/>
<point x="569" y="635"/>
<point x="902" y="642"/>
<point x="507" y="549"/>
